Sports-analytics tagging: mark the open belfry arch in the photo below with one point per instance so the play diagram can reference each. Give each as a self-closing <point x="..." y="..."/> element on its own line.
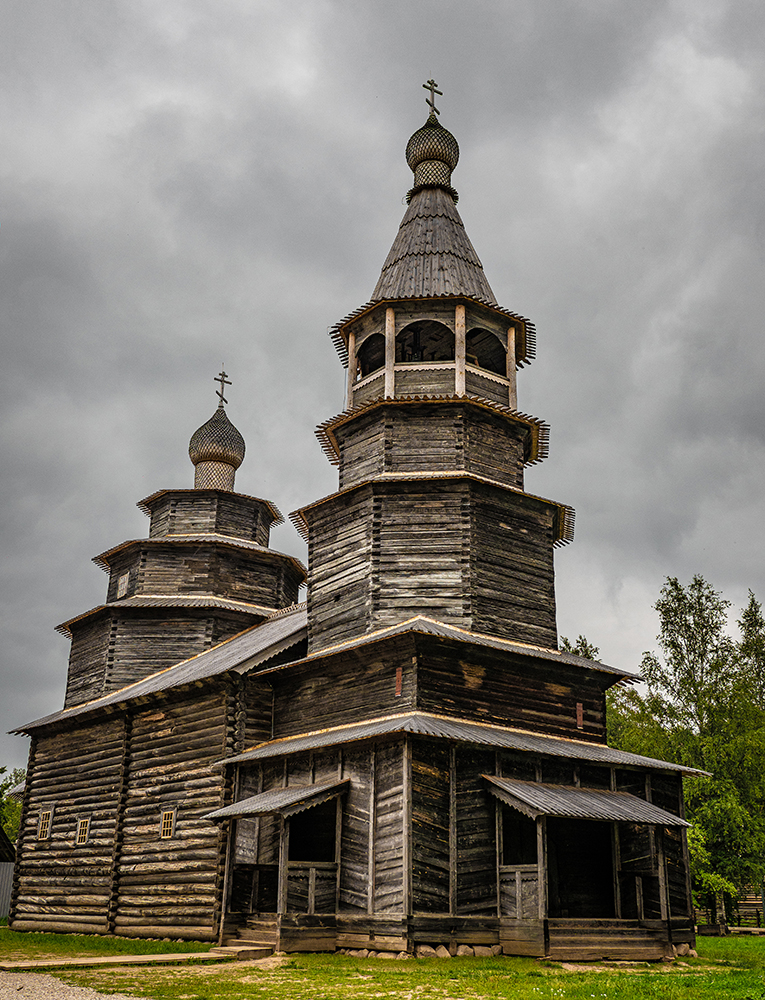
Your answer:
<point x="407" y="758"/>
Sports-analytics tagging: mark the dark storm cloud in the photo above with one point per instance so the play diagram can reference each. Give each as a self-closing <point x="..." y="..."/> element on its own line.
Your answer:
<point x="191" y="183"/>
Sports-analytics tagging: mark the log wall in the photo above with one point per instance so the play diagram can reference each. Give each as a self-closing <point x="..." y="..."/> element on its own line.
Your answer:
<point x="123" y="645"/>
<point x="60" y="885"/>
<point x="174" y="883"/>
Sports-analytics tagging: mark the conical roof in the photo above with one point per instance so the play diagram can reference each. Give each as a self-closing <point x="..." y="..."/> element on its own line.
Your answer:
<point x="432" y="254"/>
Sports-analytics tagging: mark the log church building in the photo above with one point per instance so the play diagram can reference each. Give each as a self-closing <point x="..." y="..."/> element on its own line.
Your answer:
<point x="405" y="758"/>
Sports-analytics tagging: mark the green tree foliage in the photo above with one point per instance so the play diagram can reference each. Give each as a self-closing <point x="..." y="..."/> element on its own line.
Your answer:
<point x="704" y="707"/>
<point x="581" y="647"/>
<point x="10" y="809"/>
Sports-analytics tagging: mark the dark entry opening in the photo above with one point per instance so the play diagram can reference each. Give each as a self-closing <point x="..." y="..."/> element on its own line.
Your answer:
<point x="519" y="838"/>
<point x="312" y="833"/>
<point x="581" y="868"/>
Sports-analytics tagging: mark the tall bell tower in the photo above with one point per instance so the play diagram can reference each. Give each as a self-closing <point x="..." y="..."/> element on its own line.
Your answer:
<point x="431" y="516"/>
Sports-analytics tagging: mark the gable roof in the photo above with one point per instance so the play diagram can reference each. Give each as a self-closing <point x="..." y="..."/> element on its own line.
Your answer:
<point x="430" y="626"/>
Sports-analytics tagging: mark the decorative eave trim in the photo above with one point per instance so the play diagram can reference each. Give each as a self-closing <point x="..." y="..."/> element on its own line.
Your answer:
<point x="540" y="431"/>
<point x="144" y="602"/>
<point x="564" y="520"/>
<point x="200" y="538"/>
<point x="146" y="504"/>
<point x="524" y="356"/>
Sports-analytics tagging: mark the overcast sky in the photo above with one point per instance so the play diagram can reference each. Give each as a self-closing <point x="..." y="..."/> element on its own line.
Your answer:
<point x="186" y="183"/>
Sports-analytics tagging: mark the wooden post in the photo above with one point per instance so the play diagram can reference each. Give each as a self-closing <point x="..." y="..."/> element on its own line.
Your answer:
<point x="284" y="847"/>
<point x="452" y="830"/>
<point x="390" y="352"/>
<point x="617" y="862"/>
<point x="663" y="888"/>
<point x="371" y="834"/>
<point x="407" y="826"/>
<point x="459" y="350"/>
<point x="512" y="395"/>
<point x="542" y="865"/>
<point x="352" y="364"/>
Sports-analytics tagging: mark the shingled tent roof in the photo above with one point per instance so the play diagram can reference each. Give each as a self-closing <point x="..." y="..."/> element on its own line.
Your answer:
<point x="432" y="254"/>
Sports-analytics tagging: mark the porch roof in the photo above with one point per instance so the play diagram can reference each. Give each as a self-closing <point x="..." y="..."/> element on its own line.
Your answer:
<point x="446" y="727"/>
<point x="283" y="801"/>
<point x="536" y="799"/>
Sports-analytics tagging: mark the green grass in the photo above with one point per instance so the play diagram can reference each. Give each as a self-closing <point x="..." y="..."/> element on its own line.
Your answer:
<point x="727" y="969"/>
<point x="20" y="946"/>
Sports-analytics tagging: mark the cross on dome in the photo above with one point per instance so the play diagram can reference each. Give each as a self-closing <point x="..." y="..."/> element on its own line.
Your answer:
<point x="431" y="85"/>
<point x="223" y="383"/>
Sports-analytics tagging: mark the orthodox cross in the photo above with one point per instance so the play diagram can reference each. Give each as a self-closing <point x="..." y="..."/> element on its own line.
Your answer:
<point x="223" y="383"/>
<point x="431" y="85"/>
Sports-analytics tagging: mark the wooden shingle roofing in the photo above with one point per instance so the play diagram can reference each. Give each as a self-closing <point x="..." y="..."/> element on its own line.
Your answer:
<point x="432" y="254"/>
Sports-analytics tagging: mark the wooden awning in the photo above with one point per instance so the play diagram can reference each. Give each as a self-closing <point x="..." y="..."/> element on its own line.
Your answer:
<point x="283" y="801"/>
<point x="536" y="799"/>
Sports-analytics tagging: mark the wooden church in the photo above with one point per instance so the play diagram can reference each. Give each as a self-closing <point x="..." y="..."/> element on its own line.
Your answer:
<point x="405" y="759"/>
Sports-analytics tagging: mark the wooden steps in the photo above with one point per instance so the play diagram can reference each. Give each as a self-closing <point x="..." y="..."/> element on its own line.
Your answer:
<point x="590" y="940"/>
<point x="258" y="934"/>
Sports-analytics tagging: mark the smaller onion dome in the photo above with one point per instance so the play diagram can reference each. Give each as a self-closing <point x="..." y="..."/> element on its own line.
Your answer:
<point x="432" y="142"/>
<point x="217" y="451"/>
<point x="432" y="153"/>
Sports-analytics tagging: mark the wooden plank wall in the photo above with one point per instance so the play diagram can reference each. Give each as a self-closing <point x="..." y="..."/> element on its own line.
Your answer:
<point x="431" y="853"/>
<point x="362" y="448"/>
<point x="485" y="388"/>
<point x="388" y="847"/>
<point x="433" y="437"/>
<point x="339" y="550"/>
<point x="354" y="887"/>
<point x="476" y="834"/>
<point x="420" y="544"/>
<point x="59" y="885"/>
<point x="208" y="568"/>
<point x="91" y="643"/>
<point x="496" y="687"/>
<point x="345" y="687"/>
<point x="210" y="512"/>
<point x="512" y="574"/>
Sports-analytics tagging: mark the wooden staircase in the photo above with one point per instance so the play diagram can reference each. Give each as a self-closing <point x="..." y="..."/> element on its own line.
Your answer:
<point x="619" y="940"/>
<point x="254" y="939"/>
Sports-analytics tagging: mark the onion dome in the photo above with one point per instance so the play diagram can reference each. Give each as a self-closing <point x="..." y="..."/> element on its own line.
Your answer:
<point x="432" y="153"/>
<point x="217" y="451"/>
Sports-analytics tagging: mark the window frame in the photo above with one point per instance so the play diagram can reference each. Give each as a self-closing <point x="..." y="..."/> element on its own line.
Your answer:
<point x="167" y="821"/>
<point x="45" y="822"/>
<point x="83" y="825"/>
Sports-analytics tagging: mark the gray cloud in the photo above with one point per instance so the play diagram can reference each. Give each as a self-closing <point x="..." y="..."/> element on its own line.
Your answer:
<point x="187" y="184"/>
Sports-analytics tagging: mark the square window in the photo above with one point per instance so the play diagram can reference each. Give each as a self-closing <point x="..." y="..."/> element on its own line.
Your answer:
<point x="167" y="824"/>
<point x="43" y="827"/>
<point x="122" y="584"/>
<point x="83" y="829"/>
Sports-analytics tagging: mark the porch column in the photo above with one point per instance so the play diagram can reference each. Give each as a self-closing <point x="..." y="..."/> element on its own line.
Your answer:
<point x="352" y="365"/>
<point x="542" y="865"/>
<point x="459" y="350"/>
<point x="512" y="395"/>
<point x="284" y="849"/>
<point x="390" y="352"/>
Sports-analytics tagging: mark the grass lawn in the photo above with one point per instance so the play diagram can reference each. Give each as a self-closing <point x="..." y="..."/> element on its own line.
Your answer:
<point x="20" y="947"/>
<point x="727" y="969"/>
